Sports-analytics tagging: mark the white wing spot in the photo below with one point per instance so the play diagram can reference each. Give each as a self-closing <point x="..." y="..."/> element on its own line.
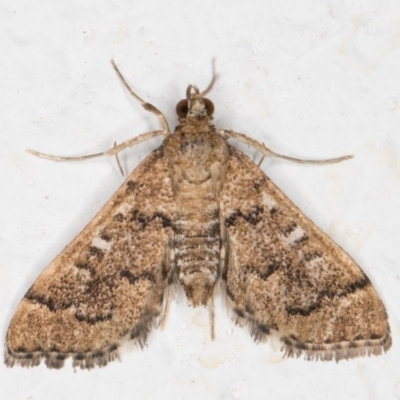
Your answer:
<point x="124" y="208"/>
<point x="101" y="244"/>
<point x="268" y="201"/>
<point x="295" y="235"/>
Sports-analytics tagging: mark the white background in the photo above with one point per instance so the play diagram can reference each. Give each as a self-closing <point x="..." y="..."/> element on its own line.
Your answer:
<point x="311" y="79"/>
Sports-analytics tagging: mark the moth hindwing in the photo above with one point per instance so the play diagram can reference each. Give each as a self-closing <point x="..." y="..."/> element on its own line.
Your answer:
<point x="194" y="212"/>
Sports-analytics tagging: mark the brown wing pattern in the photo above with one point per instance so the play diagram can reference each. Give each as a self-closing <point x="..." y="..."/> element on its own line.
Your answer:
<point x="283" y="273"/>
<point x="107" y="285"/>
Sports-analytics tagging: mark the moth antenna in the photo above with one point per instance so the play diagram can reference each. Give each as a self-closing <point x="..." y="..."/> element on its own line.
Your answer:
<point x="214" y="78"/>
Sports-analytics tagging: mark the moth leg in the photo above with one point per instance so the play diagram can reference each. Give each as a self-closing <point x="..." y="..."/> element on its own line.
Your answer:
<point x="266" y="152"/>
<point x="146" y="106"/>
<point x="166" y="312"/>
<point x="119" y="164"/>
<point x="168" y="273"/>
<point x="111" y="152"/>
<point x="212" y="317"/>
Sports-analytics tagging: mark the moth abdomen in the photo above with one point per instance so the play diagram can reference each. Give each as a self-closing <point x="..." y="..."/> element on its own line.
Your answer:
<point x="197" y="248"/>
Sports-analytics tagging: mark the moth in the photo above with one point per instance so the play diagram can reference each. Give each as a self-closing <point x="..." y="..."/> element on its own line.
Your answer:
<point x="197" y="212"/>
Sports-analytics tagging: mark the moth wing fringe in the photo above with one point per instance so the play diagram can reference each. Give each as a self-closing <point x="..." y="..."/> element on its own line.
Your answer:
<point x="336" y="351"/>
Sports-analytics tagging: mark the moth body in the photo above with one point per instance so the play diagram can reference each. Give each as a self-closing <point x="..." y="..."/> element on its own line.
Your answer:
<point x="197" y="159"/>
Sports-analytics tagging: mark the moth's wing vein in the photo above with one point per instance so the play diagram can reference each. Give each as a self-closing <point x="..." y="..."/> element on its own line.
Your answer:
<point x="284" y="273"/>
<point x="107" y="285"/>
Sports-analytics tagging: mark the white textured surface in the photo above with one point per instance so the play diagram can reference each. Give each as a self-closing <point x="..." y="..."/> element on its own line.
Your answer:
<point x="310" y="79"/>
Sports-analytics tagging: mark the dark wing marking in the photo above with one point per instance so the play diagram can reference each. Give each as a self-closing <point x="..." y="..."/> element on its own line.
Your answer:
<point x="283" y="273"/>
<point x="107" y="286"/>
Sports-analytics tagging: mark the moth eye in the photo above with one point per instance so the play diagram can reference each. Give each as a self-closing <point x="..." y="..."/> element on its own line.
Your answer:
<point x="182" y="108"/>
<point x="209" y="106"/>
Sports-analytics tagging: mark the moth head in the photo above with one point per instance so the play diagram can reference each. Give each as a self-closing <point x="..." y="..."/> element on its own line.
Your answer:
<point x="196" y="108"/>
